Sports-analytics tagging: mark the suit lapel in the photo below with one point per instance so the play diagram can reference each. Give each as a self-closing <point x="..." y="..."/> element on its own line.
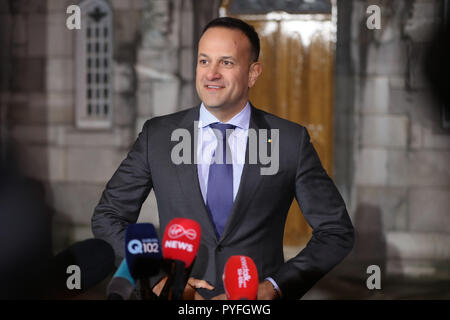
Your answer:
<point x="250" y="180"/>
<point x="188" y="176"/>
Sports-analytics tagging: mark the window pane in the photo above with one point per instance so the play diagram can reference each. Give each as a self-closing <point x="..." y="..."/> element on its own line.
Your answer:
<point x="93" y="84"/>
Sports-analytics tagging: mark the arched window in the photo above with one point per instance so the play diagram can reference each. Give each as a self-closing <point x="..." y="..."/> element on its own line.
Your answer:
<point x="94" y="66"/>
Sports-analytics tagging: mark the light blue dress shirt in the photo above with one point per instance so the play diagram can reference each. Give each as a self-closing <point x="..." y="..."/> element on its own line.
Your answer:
<point x="207" y="142"/>
<point x="206" y="145"/>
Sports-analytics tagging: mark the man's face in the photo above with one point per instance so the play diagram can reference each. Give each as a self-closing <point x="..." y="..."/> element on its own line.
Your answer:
<point x="224" y="70"/>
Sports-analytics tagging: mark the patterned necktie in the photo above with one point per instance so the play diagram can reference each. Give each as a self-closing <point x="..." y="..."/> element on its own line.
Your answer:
<point x="219" y="197"/>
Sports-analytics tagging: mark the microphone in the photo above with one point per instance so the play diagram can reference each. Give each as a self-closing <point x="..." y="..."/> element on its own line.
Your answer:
<point x="122" y="283"/>
<point x="93" y="261"/>
<point x="181" y="241"/>
<point x="143" y="255"/>
<point x="240" y="278"/>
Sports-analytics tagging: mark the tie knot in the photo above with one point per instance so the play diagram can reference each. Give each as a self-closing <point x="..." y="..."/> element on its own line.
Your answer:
<point x="222" y="127"/>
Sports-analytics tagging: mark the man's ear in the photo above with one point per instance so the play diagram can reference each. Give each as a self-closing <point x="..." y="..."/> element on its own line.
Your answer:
<point x="253" y="73"/>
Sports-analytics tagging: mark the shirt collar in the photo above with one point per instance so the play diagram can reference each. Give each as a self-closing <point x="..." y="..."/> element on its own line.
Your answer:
<point x="240" y="120"/>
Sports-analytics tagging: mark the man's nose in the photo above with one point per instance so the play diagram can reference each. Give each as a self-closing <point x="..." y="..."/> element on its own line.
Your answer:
<point x="213" y="73"/>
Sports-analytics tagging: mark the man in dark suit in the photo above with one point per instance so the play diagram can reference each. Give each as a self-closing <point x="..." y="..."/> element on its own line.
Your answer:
<point x="241" y="206"/>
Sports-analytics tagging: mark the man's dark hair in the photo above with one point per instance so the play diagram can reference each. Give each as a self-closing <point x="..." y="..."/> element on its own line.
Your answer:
<point x="237" y="24"/>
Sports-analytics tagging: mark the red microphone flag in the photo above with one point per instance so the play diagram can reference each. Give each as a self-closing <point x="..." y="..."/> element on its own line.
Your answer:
<point x="240" y="278"/>
<point x="181" y="240"/>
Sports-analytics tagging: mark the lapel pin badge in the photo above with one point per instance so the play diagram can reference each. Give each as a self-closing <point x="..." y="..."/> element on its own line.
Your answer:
<point x="269" y="140"/>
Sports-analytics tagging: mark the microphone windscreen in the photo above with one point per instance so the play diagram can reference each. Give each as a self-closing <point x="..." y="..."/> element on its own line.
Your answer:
<point x="122" y="284"/>
<point x="142" y="250"/>
<point x="95" y="259"/>
<point x="181" y="240"/>
<point x="124" y="272"/>
<point x="240" y="278"/>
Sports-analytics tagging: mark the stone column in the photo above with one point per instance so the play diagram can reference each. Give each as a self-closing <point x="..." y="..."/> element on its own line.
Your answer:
<point x="157" y="64"/>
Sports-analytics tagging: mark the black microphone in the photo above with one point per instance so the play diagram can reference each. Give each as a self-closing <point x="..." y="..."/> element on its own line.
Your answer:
<point x="90" y="260"/>
<point x="143" y="255"/>
<point x="181" y="241"/>
<point x="122" y="284"/>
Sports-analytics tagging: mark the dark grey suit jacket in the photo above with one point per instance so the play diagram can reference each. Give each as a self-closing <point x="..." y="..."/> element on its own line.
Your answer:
<point x="256" y="224"/>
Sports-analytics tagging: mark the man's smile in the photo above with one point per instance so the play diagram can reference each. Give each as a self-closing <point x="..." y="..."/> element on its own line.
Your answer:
<point x="213" y="88"/>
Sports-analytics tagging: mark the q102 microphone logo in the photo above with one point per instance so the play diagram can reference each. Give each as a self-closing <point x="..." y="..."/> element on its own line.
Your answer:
<point x="145" y="246"/>
<point x="176" y="231"/>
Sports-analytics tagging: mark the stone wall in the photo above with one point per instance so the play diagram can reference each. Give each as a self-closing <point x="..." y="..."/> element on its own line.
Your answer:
<point x="153" y="75"/>
<point x="397" y="178"/>
<point x="72" y="164"/>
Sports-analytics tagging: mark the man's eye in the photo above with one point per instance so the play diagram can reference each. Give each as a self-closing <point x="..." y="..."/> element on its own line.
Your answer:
<point x="227" y="63"/>
<point x="203" y="61"/>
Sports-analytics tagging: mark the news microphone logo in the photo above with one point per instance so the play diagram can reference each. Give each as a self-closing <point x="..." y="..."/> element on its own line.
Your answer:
<point x="176" y="231"/>
<point x="145" y="246"/>
<point x="243" y="273"/>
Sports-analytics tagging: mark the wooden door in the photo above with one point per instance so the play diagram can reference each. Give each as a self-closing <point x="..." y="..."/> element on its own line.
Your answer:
<point x="297" y="55"/>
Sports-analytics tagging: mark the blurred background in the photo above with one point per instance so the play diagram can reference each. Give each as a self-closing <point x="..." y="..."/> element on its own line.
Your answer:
<point x="375" y="101"/>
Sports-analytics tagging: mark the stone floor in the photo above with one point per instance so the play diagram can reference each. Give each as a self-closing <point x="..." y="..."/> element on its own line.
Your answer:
<point x="335" y="288"/>
<point x="392" y="289"/>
